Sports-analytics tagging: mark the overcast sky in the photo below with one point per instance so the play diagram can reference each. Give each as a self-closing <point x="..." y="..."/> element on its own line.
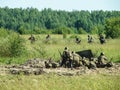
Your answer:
<point x="67" y="5"/>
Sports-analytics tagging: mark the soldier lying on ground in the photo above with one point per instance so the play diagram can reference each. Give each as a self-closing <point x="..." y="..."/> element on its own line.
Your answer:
<point x="51" y="64"/>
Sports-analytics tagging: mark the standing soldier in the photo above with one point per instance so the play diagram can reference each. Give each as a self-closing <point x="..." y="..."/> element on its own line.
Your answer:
<point x="32" y="38"/>
<point x="102" y="39"/>
<point x="90" y="39"/>
<point x="65" y="57"/>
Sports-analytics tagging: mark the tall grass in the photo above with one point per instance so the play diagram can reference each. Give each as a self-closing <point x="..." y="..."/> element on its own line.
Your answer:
<point x="50" y="49"/>
<point x="111" y="48"/>
<point x="55" y="82"/>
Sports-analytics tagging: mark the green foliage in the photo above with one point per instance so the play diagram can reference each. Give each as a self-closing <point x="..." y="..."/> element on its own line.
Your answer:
<point x="63" y="30"/>
<point x="82" y="31"/>
<point x="30" y="20"/>
<point x="64" y="35"/>
<point x="97" y="29"/>
<point x="11" y="45"/>
<point x="112" y="27"/>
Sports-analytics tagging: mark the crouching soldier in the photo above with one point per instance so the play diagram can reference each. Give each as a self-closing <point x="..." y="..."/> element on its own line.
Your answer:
<point x="76" y="59"/>
<point x="103" y="61"/>
<point x="77" y="40"/>
<point x="32" y="38"/>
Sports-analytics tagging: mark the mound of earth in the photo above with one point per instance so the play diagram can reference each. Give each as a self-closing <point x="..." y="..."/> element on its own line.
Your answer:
<point x="37" y="67"/>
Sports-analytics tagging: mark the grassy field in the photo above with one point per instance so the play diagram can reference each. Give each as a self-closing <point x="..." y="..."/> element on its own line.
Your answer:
<point x="111" y="48"/>
<point x="43" y="49"/>
<point x="55" y="82"/>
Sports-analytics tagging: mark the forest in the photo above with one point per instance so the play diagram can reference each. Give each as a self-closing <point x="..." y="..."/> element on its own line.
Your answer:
<point x="33" y="21"/>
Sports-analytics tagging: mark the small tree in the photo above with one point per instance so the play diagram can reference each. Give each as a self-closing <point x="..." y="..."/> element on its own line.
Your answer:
<point x="112" y="27"/>
<point x="11" y="44"/>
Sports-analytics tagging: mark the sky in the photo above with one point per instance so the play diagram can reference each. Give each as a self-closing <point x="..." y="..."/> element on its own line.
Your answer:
<point x="67" y="5"/>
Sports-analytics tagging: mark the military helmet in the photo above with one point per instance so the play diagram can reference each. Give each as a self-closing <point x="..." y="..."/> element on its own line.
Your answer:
<point x="73" y="52"/>
<point x="65" y="48"/>
<point x="102" y="53"/>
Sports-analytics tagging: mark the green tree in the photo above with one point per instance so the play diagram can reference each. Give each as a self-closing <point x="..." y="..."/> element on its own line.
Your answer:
<point x="112" y="27"/>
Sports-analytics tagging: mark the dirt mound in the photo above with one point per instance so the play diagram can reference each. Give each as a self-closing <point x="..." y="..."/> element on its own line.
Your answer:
<point x="37" y="67"/>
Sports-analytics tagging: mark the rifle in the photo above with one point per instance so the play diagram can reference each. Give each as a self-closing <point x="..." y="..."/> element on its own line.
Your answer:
<point x="59" y="52"/>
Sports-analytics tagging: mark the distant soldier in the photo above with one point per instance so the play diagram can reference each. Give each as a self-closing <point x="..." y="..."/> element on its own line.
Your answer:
<point x="90" y="39"/>
<point x="102" y="39"/>
<point x="76" y="59"/>
<point x="48" y="37"/>
<point x="77" y="40"/>
<point x="32" y="38"/>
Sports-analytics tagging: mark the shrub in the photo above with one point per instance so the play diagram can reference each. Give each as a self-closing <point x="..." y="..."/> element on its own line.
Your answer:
<point x="11" y="45"/>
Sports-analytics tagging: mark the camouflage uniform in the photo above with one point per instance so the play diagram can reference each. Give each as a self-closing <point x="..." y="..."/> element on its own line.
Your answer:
<point x="85" y="62"/>
<point x="102" y="60"/>
<point x="65" y="57"/>
<point x="76" y="59"/>
<point x="92" y="65"/>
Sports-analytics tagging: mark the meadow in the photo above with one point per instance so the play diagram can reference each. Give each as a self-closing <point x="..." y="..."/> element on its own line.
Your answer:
<point x="50" y="49"/>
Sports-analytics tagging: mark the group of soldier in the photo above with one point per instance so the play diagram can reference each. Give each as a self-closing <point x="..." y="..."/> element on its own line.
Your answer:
<point x="73" y="60"/>
<point x="90" y="39"/>
<point x="32" y="38"/>
<point x="77" y="40"/>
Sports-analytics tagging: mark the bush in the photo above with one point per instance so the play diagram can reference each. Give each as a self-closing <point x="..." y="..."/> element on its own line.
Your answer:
<point x="112" y="27"/>
<point x="11" y="45"/>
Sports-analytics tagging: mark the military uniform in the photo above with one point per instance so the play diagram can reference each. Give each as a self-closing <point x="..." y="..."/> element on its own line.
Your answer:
<point x="102" y="39"/>
<point x="90" y="39"/>
<point x="102" y="60"/>
<point x="78" y="40"/>
<point x="76" y="59"/>
<point x="65" y="57"/>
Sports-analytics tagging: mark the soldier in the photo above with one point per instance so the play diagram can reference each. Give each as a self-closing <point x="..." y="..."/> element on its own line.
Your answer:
<point x="102" y="60"/>
<point x="48" y="37"/>
<point x="102" y="39"/>
<point x="92" y="64"/>
<point x="65" y="57"/>
<point x="78" y="40"/>
<point x="90" y="40"/>
<point x="76" y="59"/>
<point x="32" y="38"/>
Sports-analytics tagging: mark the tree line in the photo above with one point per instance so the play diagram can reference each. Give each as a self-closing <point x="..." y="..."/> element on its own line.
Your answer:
<point x="31" y="20"/>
